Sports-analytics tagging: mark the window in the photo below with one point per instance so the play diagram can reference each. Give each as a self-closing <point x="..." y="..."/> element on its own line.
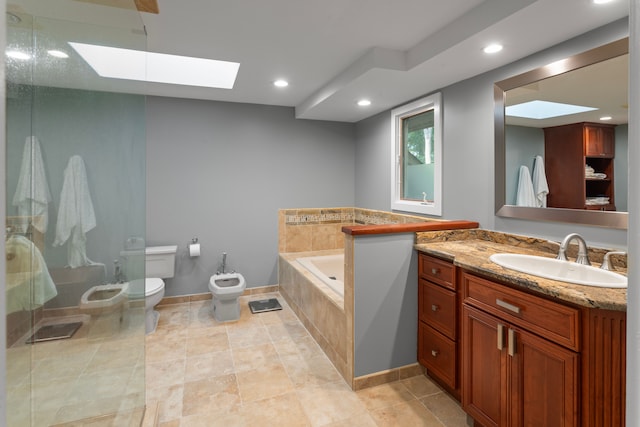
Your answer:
<point x="416" y="153"/>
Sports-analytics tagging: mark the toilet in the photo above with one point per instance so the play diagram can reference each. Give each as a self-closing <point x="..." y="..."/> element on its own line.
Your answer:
<point x="225" y="289"/>
<point x="159" y="263"/>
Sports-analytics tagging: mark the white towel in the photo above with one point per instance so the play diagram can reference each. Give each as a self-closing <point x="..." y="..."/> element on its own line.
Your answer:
<point x="540" y="186"/>
<point x="525" y="195"/>
<point x="29" y="284"/>
<point x="32" y="194"/>
<point x="75" y="215"/>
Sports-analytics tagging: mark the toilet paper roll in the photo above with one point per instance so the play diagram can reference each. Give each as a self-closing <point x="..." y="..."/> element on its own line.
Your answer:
<point x="194" y="249"/>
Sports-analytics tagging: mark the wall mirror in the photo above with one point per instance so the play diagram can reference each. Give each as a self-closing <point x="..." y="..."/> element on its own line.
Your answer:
<point x="587" y="184"/>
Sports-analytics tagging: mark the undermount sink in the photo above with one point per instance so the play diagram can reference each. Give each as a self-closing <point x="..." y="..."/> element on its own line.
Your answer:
<point x="564" y="271"/>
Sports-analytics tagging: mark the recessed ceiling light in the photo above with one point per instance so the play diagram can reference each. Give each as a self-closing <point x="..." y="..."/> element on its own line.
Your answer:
<point x="364" y="103"/>
<point x="493" y="48"/>
<point x="131" y="64"/>
<point x="57" y="53"/>
<point x="544" y="109"/>
<point x="16" y="54"/>
<point x="605" y="118"/>
<point x="281" y="83"/>
<point x="602" y="1"/>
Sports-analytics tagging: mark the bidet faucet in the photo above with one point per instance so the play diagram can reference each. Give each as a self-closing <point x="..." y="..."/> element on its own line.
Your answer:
<point x="118" y="275"/>
<point x="583" y="254"/>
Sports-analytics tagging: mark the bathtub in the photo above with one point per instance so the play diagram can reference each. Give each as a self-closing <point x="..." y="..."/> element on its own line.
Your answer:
<point x="328" y="268"/>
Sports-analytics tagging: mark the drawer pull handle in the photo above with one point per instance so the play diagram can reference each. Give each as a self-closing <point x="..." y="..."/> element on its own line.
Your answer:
<point x="435" y="307"/>
<point x="512" y="342"/>
<point x="508" y="306"/>
<point x="435" y="353"/>
<point x="435" y="271"/>
<point x="500" y="336"/>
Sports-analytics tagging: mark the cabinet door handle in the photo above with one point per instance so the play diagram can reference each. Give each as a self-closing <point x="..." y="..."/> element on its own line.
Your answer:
<point x="508" y="306"/>
<point x="435" y="271"/>
<point x="512" y="342"/>
<point x="435" y="353"/>
<point x="500" y="337"/>
<point x="435" y="307"/>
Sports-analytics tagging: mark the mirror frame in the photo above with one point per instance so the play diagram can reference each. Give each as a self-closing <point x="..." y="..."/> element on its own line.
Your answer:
<point x="577" y="216"/>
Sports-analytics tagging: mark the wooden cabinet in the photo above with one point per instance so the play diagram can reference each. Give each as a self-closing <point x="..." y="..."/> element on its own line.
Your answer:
<point x="512" y="376"/>
<point x="568" y="150"/>
<point x="438" y="321"/>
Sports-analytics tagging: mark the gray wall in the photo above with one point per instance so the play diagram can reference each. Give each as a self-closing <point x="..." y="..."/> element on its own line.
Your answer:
<point x="468" y="150"/>
<point x="386" y="302"/>
<point x="522" y="145"/>
<point x="220" y="171"/>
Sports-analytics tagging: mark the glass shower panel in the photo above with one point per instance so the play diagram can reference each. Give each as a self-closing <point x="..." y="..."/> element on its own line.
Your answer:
<point x="81" y="356"/>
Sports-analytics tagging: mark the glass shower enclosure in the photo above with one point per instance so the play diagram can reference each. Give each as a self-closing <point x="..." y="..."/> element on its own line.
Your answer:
<point x="75" y="207"/>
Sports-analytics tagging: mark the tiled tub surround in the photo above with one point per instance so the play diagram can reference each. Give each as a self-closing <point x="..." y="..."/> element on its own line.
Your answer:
<point x="329" y="317"/>
<point x="318" y="307"/>
<point x="471" y="249"/>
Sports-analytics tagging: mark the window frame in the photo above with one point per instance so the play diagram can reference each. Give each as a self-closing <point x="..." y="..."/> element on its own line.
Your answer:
<point x="430" y="102"/>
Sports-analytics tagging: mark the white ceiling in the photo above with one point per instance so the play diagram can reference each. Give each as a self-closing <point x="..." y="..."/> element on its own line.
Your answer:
<point x="333" y="52"/>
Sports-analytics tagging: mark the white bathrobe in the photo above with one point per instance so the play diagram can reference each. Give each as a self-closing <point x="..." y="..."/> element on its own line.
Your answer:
<point x="32" y="194"/>
<point x="75" y="215"/>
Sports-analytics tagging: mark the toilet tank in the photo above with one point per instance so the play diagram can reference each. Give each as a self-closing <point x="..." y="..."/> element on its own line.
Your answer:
<point x="160" y="261"/>
<point x="157" y="261"/>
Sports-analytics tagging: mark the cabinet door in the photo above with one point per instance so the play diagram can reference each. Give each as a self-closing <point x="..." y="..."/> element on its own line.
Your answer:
<point x="599" y="141"/>
<point x="484" y="368"/>
<point x="543" y="382"/>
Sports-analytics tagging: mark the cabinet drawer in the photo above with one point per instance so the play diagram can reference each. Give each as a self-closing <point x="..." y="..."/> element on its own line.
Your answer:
<point x="438" y="354"/>
<point x="556" y="322"/>
<point x="438" y="308"/>
<point x="438" y="271"/>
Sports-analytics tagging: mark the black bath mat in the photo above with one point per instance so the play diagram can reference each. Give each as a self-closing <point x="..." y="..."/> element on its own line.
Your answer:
<point x="260" y="306"/>
<point x="54" y="332"/>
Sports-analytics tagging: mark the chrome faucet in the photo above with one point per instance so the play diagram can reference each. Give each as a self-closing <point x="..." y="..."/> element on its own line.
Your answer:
<point x="583" y="254"/>
<point x="606" y="263"/>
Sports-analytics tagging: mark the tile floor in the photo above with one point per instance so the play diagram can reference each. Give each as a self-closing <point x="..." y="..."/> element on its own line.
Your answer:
<point x="266" y="370"/>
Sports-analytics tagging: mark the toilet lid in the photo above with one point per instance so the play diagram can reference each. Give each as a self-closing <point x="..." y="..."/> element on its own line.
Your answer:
<point x="152" y="285"/>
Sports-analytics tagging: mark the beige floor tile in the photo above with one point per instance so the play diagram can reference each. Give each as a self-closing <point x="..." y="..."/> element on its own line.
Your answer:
<point x="167" y="348"/>
<point x="305" y="347"/>
<point x="214" y="419"/>
<point x="263" y="383"/>
<point x="421" y="386"/>
<point x="169" y="401"/>
<point x="206" y="340"/>
<point x="255" y="357"/>
<point x="361" y="420"/>
<point x="411" y="413"/>
<point x="282" y="411"/>
<point x="172" y="423"/>
<point x="330" y="403"/>
<point x="209" y="365"/>
<point x="282" y="331"/>
<point x="446" y="409"/>
<point x="310" y="371"/>
<point x="247" y="337"/>
<point x="164" y="374"/>
<point x="209" y="395"/>
<point x="384" y="395"/>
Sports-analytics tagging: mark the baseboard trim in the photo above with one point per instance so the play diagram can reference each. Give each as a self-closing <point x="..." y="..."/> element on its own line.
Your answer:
<point x="386" y="376"/>
<point x="181" y="299"/>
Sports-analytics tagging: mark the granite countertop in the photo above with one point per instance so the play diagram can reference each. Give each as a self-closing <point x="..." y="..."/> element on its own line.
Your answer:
<point x="472" y="254"/>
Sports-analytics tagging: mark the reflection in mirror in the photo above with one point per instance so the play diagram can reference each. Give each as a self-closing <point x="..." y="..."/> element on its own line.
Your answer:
<point x="561" y="140"/>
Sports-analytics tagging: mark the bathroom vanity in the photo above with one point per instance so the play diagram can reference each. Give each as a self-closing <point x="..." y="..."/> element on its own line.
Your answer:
<point x="518" y="349"/>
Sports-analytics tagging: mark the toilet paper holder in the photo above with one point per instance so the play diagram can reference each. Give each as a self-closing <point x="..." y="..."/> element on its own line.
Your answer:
<point x="194" y="248"/>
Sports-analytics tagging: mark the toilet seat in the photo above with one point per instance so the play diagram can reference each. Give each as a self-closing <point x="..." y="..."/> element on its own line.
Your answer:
<point x="152" y="285"/>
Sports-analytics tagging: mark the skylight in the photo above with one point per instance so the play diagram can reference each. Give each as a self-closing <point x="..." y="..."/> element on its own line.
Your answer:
<point x="128" y="64"/>
<point x="544" y="109"/>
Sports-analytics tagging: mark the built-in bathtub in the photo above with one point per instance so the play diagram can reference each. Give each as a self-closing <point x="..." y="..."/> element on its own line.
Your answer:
<point x="318" y="300"/>
<point x="328" y="268"/>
